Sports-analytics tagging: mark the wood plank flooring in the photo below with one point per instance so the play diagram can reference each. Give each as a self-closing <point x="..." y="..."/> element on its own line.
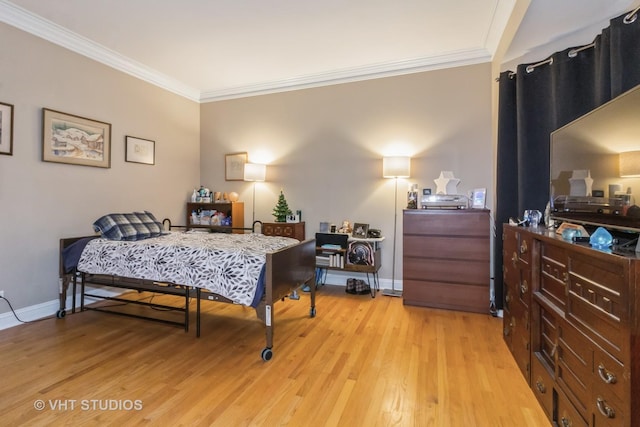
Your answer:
<point x="360" y="362"/>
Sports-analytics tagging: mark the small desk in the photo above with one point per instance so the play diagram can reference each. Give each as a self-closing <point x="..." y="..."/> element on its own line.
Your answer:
<point x="353" y="255"/>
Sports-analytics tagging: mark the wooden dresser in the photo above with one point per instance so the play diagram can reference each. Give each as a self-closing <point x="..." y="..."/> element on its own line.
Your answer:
<point x="571" y="322"/>
<point x="286" y="229"/>
<point x="446" y="259"/>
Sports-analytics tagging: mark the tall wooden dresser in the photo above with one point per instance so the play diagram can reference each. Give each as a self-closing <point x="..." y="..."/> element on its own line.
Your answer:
<point x="571" y="321"/>
<point x="446" y="259"/>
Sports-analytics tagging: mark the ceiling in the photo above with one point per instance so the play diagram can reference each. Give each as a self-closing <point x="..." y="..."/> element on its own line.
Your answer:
<point x="208" y="50"/>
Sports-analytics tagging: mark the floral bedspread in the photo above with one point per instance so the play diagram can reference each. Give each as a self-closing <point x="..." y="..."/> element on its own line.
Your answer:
<point x="226" y="264"/>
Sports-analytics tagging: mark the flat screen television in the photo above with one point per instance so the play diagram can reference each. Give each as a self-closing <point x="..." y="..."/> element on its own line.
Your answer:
<point x="595" y="167"/>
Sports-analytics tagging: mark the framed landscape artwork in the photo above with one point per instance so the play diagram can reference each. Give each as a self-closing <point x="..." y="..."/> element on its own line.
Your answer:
<point x="6" y="129"/>
<point x="75" y="140"/>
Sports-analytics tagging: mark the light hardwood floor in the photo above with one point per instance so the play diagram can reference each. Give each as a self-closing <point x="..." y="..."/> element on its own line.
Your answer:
<point x="360" y="362"/>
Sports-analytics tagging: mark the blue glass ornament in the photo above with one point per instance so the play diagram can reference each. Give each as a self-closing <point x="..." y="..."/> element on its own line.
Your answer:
<point x="601" y="239"/>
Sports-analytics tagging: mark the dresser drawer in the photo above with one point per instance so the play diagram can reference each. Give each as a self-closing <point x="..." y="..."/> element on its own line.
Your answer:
<point x="525" y="247"/>
<point x="294" y="230"/>
<point x="555" y="276"/>
<point x="597" y="300"/>
<point x="575" y="362"/>
<point x="545" y="341"/>
<point x="542" y="385"/>
<point x="608" y="412"/>
<point x="521" y="342"/>
<point x="468" y="248"/>
<point x="610" y="376"/>
<point x="463" y="223"/>
<point x="566" y="414"/>
<point x="446" y="271"/>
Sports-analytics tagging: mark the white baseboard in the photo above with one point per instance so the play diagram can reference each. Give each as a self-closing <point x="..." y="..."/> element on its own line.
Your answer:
<point x="48" y="309"/>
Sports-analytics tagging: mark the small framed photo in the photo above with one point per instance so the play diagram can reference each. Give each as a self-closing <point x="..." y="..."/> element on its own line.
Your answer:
<point x="75" y="140"/>
<point x="140" y="150"/>
<point x="426" y="191"/>
<point x="360" y="230"/>
<point x="234" y="166"/>
<point x="293" y="218"/>
<point x="6" y="129"/>
<point x="478" y="198"/>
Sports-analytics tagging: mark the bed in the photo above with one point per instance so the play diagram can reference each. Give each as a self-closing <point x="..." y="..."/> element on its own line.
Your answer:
<point x="248" y="269"/>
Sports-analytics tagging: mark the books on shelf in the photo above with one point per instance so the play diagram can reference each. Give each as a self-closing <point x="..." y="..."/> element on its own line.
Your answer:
<point x="330" y="260"/>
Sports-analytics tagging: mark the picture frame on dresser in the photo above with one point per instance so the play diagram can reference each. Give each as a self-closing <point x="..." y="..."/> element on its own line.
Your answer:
<point x="6" y="129"/>
<point x="360" y="230"/>
<point x="75" y="140"/>
<point x="478" y="198"/>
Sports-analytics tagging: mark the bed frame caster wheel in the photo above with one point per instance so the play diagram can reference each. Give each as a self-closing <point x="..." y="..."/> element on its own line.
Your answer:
<point x="61" y="313"/>
<point x="267" y="354"/>
<point x="312" y="312"/>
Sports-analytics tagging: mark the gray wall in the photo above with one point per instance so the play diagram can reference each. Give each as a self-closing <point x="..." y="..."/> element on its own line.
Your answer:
<point x="324" y="146"/>
<point x="42" y="202"/>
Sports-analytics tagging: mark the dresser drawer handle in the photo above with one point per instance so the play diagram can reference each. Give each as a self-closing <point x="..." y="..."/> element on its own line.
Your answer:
<point x="604" y="409"/>
<point x="524" y="286"/>
<point x="540" y="386"/>
<point x="523" y="247"/>
<point x="565" y="278"/>
<point x="514" y="260"/>
<point x="606" y="376"/>
<point x="566" y="422"/>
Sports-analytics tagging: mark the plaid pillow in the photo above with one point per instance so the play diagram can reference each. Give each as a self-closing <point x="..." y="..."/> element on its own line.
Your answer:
<point x="128" y="226"/>
<point x="147" y="218"/>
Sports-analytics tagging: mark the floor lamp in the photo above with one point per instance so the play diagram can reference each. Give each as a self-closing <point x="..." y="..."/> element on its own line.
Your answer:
<point x="395" y="167"/>
<point x="254" y="172"/>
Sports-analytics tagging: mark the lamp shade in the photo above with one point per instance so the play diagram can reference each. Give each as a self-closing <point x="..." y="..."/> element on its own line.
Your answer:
<point x="630" y="164"/>
<point x="254" y="172"/>
<point x="396" y="167"/>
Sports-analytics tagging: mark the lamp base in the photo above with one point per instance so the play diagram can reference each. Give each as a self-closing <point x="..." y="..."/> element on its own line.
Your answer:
<point x="391" y="293"/>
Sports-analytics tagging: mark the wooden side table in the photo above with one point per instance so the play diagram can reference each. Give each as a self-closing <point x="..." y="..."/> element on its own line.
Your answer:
<point x="286" y="229"/>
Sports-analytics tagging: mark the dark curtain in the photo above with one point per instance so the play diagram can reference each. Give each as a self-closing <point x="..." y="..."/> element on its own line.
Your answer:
<point x="551" y="93"/>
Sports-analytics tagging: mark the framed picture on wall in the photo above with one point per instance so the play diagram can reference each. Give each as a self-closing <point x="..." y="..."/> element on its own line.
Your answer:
<point x="75" y="140"/>
<point x="6" y="129"/>
<point x="138" y="150"/>
<point x="234" y="166"/>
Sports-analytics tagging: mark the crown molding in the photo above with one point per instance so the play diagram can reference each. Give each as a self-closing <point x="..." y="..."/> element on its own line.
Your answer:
<point x="388" y="69"/>
<point x="24" y="20"/>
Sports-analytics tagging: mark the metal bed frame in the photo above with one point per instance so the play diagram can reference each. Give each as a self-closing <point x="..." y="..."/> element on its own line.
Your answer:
<point x="287" y="270"/>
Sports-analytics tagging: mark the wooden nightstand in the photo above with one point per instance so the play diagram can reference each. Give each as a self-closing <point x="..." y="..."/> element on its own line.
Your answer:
<point x="286" y="229"/>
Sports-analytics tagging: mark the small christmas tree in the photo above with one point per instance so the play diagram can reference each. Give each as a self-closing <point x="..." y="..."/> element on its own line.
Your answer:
<point x="281" y="210"/>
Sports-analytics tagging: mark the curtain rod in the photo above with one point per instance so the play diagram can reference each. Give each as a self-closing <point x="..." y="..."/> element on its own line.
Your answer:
<point x="629" y="18"/>
<point x="574" y="52"/>
<point x="571" y="54"/>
